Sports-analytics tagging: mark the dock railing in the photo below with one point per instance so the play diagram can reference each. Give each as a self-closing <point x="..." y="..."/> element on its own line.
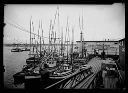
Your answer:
<point x="72" y="81"/>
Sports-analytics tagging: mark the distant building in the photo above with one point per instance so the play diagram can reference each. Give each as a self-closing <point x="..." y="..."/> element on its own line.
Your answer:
<point x="122" y="53"/>
<point x="110" y="47"/>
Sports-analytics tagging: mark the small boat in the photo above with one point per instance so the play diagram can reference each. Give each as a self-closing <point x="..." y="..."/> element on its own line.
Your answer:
<point x="25" y="49"/>
<point x="16" y="50"/>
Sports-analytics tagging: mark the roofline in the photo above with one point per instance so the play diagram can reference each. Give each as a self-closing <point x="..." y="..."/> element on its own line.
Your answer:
<point x="97" y="41"/>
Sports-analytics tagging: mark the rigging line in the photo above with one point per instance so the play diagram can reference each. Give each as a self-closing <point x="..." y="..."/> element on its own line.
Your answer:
<point x="15" y="23"/>
<point x="23" y="29"/>
<point x="38" y="29"/>
<point x="16" y="26"/>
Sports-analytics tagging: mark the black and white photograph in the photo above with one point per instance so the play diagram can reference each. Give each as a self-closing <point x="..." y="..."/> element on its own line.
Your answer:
<point x="64" y="46"/>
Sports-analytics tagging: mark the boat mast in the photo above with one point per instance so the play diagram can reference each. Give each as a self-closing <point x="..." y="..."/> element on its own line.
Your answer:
<point x="81" y="37"/>
<point x="49" y="35"/>
<point x="62" y="42"/>
<point x="67" y="30"/>
<point x="81" y="44"/>
<point x="72" y="47"/>
<point x="33" y="37"/>
<point x="53" y="32"/>
<point x="30" y="35"/>
<point x="40" y="40"/>
<point x="54" y="42"/>
<point x="58" y="30"/>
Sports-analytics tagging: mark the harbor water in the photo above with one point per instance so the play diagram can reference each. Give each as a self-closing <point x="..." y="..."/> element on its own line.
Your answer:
<point x="13" y="62"/>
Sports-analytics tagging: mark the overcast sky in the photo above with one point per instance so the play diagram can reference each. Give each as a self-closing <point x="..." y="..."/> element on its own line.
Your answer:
<point x="99" y="21"/>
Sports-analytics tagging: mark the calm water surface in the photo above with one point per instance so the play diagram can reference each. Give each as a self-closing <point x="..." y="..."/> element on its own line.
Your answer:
<point x="13" y="62"/>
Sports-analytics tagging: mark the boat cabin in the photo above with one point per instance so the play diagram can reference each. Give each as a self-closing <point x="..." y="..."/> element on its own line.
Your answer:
<point x="51" y="63"/>
<point x="66" y="67"/>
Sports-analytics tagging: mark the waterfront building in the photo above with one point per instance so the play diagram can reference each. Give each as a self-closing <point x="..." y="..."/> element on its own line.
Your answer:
<point x="122" y="53"/>
<point x="110" y="47"/>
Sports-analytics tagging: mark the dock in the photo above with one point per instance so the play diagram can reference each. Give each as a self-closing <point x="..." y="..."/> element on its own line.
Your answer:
<point x="98" y="79"/>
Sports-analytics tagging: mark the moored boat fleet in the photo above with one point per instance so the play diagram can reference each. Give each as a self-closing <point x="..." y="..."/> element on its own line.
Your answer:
<point x="56" y="60"/>
<point x="16" y="48"/>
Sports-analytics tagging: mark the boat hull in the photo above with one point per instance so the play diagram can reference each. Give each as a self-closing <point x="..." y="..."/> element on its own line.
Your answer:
<point x="19" y="78"/>
<point x="62" y="75"/>
<point x="16" y="50"/>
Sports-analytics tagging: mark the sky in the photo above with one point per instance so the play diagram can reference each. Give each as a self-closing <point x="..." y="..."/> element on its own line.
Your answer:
<point x="100" y="22"/>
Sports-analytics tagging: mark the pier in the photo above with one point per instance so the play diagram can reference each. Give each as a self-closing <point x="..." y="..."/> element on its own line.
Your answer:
<point x="89" y="80"/>
<point x="96" y="78"/>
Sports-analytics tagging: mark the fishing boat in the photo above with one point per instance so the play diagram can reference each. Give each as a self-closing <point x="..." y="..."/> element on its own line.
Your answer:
<point x="16" y="50"/>
<point x="63" y="71"/>
<point x="28" y="70"/>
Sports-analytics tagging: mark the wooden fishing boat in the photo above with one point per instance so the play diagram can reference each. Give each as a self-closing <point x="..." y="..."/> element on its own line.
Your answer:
<point x="63" y="71"/>
<point x="27" y="72"/>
